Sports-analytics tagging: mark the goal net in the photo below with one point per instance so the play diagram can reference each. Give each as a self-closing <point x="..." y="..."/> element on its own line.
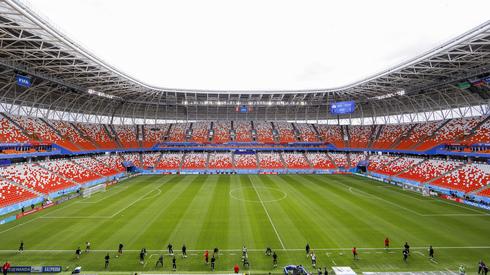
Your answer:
<point x="87" y="192"/>
<point x="423" y="190"/>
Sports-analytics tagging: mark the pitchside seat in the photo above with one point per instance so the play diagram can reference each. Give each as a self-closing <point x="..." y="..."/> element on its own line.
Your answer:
<point x="170" y="161"/>
<point x="150" y="159"/>
<point x="340" y="159"/>
<point x="35" y="177"/>
<point x="95" y="166"/>
<point x="320" y="161"/>
<point x="399" y="165"/>
<point x="113" y="161"/>
<point x="429" y="170"/>
<point x="467" y="178"/>
<point x="270" y="161"/>
<point x="69" y="169"/>
<point x="195" y="161"/>
<point x="295" y="161"/>
<point x="247" y="161"/>
<point x="220" y="161"/>
<point x="11" y="194"/>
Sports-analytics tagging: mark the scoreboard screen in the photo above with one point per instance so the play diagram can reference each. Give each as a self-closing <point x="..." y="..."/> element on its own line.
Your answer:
<point x="23" y="81"/>
<point x="343" y="107"/>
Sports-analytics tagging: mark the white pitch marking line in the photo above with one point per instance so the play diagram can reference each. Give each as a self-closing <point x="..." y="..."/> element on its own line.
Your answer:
<point x="254" y="249"/>
<point x="434" y="261"/>
<point x="334" y="263"/>
<point x="131" y="204"/>
<point x="268" y="216"/>
<point x="420" y="253"/>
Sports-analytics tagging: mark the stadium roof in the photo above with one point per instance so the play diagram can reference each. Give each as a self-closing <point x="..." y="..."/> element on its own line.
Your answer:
<point x="69" y="79"/>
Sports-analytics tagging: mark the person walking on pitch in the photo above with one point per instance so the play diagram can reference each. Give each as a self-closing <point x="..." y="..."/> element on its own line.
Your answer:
<point x="159" y="261"/>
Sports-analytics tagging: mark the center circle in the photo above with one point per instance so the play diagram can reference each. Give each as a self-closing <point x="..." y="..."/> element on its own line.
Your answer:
<point x="276" y="194"/>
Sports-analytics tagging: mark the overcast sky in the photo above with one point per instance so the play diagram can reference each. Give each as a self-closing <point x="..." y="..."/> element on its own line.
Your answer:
<point x="259" y="44"/>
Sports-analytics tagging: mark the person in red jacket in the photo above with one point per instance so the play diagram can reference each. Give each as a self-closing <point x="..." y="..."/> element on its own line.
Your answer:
<point x="354" y="253"/>
<point x="236" y="268"/>
<point x="387" y="243"/>
<point x="5" y="268"/>
<point x="206" y="257"/>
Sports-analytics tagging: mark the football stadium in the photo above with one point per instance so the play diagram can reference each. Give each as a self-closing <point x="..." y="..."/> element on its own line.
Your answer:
<point x="102" y="173"/>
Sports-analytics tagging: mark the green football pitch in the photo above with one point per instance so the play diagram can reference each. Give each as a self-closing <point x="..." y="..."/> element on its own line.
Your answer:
<point x="333" y="213"/>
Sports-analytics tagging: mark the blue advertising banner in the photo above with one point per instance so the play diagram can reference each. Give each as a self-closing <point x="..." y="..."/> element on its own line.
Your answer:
<point x="35" y="269"/>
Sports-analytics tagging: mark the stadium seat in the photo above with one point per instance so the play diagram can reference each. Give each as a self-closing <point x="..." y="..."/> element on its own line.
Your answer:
<point x="154" y="134"/>
<point x="286" y="132"/>
<point x="200" y="132"/>
<point x="429" y="169"/>
<point x="246" y="161"/>
<point x="398" y="165"/>
<point x="178" y="132"/>
<point x="71" y="170"/>
<point x="9" y="133"/>
<point x="94" y="165"/>
<point x="453" y="130"/>
<point x="331" y="134"/>
<point x="307" y="134"/>
<point x="221" y="132"/>
<point x="340" y="159"/>
<point x="12" y="194"/>
<point x="37" y="178"/>
<point x="359" y="136"/>
<point x="126" y="135"/>
<point x="355" y="158"/>
<point x="39" y="130"/>
<point x="270" y="161"/>
<point x="243" y="131"/>
<point x="389" y="134"/>
<point x="320" y="161"/>
<point x="264" y="132"/>
<point x="466" y="178"/>
<point x="419" y="133"/>
<point x="112" y="161"/>
<point x="70" y="133"/>
<point x="295" y="161"/>
<point x="133" y="158"/>
<point x="170" y="161"/>
<point x="220" y="161"/>
<point x="98" y="134"/>
<point x="195" y="161"/>
<point x="150" y="160"/>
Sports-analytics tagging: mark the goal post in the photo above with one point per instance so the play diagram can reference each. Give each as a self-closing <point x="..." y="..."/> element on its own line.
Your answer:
<point x="423" y="190"/>
<point x="87" y="192"/>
